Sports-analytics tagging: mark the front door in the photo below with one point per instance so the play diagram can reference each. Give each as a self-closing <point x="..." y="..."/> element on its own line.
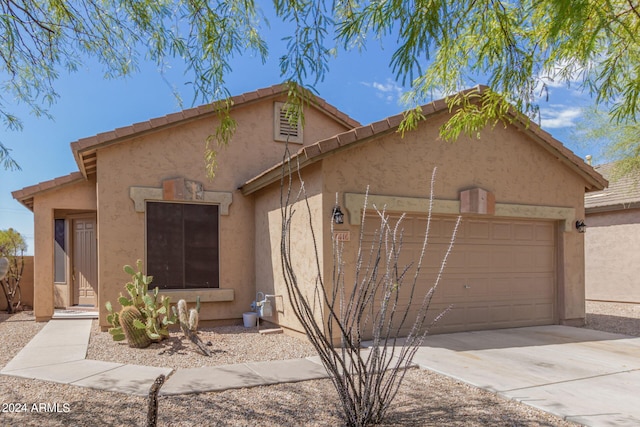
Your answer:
<point x="85" y="260"/>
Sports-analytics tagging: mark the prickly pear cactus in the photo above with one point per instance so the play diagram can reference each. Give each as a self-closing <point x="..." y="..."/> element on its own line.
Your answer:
<point x="154" y="308"/>
<point x="134" y="329"/>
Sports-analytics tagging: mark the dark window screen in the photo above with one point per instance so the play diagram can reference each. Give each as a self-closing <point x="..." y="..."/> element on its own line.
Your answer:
<point x="59" y="252"/>
<point x="182" y="245"/>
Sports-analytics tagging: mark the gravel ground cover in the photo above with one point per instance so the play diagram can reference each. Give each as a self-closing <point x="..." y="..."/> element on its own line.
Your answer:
<point x="229" y="345"/>
<point x="425" y="399"/>
<point x="612" y="317"/>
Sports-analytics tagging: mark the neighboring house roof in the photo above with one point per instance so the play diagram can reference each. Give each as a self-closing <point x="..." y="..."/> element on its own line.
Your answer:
<point x="25" y="196"/>
<point x="321" y="149"/>
<point x="623" y="193"/>
<point x="84" y="150"/>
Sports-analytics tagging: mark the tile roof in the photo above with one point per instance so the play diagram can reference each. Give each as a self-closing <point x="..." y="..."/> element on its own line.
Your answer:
<point x="623" y="193"/>
<point x="315" y="152"/>
<point x="84" y="150"/>
<point x="25" y="196"/>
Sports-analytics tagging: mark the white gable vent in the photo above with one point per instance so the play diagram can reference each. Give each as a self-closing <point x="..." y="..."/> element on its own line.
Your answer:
<point x="284" y="130"/>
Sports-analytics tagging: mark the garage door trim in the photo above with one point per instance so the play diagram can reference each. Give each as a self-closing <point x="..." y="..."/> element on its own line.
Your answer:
<point x="354" y="203"/>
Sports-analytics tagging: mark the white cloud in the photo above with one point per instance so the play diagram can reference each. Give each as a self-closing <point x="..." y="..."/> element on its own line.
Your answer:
<point x="559" y="116"/>
<point x="390" y="91"/>
<point x="561" y="75"/>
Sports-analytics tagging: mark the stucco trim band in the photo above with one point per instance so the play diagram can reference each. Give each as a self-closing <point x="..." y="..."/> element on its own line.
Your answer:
<point x="141" y="194"/>
<point x="354" y="202"/>
<point x="206" y="295"/>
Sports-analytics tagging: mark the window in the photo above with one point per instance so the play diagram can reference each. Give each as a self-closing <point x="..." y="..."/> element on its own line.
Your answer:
<point x="284" y="129"/>
<point x="59" y="252"/>
<point x="182" y="245"/>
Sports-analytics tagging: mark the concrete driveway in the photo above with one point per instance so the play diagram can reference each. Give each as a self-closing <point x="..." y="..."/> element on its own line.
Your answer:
<point x="585" y="376"/>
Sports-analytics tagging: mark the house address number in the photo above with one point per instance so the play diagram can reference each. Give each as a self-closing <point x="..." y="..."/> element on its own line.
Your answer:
<point x="342" y="236"/>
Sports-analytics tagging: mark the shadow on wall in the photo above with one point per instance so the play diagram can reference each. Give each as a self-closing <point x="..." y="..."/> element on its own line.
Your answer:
<point x="26" y="286"/>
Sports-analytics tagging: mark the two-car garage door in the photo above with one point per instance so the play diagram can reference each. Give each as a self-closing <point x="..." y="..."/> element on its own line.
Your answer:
<point x="500" y="274"/>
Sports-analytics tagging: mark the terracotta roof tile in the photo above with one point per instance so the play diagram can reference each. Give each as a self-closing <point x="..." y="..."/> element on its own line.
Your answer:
<point x="122" y="131"/>
<point x="329" y="145"/>
<point x="174" y="118"/>
<point x="311" y="151"/>
<point x="84" y="148"/>
<point x="380" y="126"/>
<point x="395" y="121"/>
<point x="250" y="96"/>
<point x="25" y="195"/>
<point x="140" y="127"/>
<point x="346" y="137"/>
<point x="191" y="112"/>
<point x="204" y="109"/>
<point x="363" y="133"/>
<point x="264" y="92"/>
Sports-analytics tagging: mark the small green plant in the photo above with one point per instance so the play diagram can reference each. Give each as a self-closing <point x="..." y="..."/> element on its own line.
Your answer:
<point x="155" y="312"/>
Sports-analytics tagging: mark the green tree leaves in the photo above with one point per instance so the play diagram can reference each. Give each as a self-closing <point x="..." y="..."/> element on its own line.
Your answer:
<point x="12" y="244"/>
<point x="442" y="46"/>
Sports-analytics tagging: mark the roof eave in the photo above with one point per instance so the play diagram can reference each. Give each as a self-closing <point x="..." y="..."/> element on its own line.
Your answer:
<point x="612" y="207"/>
<point x="321" y="149"/>
<point x="90" y="145"/>
<point x="25" y="195"/>
<point x="594" y="181"/>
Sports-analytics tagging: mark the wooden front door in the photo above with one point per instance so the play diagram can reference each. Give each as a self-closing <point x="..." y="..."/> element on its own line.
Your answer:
<point x="85" y="260"/>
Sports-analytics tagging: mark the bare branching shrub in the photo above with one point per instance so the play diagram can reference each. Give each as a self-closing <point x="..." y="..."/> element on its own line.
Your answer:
<point x="12" y="247"/>
<point x="337" y="315"/>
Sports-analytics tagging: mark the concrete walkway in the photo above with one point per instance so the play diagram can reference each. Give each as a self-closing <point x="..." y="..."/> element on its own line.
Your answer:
<point x="584" y="376"/>
<point x="57" y="353"/>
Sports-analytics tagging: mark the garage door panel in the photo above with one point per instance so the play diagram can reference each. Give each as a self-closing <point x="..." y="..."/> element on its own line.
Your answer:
<point x="501" y="313"/>
<point x="501" y="231"/>
<point x="545" y="233"/>
<point x="523" y="232"/>
<point x="477" y="230"/>
<point x="501" y="272"/>
<point x="478" y="258"/>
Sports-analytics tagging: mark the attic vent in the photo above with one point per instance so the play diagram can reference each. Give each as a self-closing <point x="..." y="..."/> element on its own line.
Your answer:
<point x="284" y="130"/>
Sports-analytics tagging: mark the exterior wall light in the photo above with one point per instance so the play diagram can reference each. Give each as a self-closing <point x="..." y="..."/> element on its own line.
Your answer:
<point x="337" y="215"/>
<point x="581" y="226"/>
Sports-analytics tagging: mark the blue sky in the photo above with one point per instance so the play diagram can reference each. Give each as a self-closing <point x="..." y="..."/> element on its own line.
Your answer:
<point x="358" y="83"/>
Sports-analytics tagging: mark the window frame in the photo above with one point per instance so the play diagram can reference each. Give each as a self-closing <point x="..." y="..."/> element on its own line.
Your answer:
<point x="146" y="241"/>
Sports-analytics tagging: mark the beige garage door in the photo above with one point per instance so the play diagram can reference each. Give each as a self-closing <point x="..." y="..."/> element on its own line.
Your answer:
<point x="500" y="274"/>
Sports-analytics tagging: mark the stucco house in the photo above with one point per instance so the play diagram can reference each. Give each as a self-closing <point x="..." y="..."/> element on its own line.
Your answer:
<point x="612" y="243"/>
<point x="142" y="192"/>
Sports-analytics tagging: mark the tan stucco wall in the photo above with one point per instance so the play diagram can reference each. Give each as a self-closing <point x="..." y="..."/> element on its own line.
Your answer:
<point x="178" y="152"/>
<point x="612" y="256"/>
<point x="504" y="161"/>
<point x="79" y="196"/>
<point x="268" y="219"/>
